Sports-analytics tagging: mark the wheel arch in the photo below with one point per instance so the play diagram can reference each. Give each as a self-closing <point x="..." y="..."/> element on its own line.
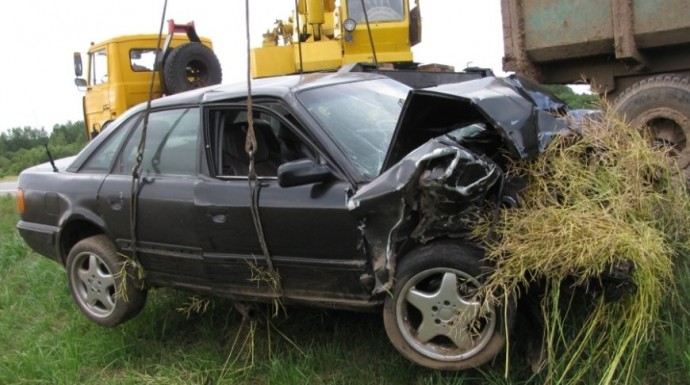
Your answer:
<point x="461" y="243"/>
<point x="74" y="231"/>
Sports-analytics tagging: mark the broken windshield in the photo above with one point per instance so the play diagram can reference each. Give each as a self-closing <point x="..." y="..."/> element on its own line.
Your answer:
<point x="360" y="117"/>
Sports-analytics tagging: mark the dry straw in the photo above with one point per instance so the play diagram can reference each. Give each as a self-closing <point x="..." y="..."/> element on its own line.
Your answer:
<point x="595" y="198"/>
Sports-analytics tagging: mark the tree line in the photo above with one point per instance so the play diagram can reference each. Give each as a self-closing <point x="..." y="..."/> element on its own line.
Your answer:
<point x="23" y="147"/>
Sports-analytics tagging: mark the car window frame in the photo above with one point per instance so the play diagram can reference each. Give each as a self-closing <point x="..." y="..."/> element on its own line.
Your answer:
<point x="127" y="125"/>
<point x="198" y="167"/>
<point x="262" y="105"/>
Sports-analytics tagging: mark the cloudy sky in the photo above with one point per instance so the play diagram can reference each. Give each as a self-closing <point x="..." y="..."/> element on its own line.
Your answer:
<point x="41" y="35"/>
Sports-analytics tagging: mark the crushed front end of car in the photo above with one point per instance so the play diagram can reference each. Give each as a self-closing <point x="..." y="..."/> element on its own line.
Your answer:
<point x="449" y="159"/>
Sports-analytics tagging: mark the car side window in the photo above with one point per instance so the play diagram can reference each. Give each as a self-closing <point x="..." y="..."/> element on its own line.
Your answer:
<point x="276" y="137"/>
<point x="172" y="138"/>
<point x="101" y="161"/>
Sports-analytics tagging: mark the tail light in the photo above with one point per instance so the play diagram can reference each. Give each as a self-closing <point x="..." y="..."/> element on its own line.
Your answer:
<point x="20" y="201"/>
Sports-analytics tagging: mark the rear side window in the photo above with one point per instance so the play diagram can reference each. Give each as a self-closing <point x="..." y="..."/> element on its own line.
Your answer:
<point x="172" y="139"/>
<point x="101" y="161"/>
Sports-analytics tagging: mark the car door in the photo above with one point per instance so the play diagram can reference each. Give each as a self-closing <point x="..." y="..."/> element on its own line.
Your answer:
<point x="313" y="241"/>
<point x="167" y="242"/>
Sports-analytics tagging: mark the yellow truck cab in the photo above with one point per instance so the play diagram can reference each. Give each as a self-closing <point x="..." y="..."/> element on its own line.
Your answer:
<point x="120" y="72"/>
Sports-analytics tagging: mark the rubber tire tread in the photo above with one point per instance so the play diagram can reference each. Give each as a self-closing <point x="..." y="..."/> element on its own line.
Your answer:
<point x="463" y="257"/>
<point x="669" y="91"/>
<point x="175" y="73"/>
<point x="105" y="249"/>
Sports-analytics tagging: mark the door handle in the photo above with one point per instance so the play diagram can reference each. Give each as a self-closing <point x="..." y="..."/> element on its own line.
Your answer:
<point x="218" y="217"/>
<point x="116" y="202"/>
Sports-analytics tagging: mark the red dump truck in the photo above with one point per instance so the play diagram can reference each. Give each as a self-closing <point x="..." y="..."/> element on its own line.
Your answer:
<point x="635" y="52"/>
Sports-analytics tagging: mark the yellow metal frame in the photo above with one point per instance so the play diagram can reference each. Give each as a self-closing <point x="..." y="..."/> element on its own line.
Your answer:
<point x="391" y="41"/>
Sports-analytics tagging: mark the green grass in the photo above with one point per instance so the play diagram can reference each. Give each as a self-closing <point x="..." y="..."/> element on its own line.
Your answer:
<point x="45" y="340"/>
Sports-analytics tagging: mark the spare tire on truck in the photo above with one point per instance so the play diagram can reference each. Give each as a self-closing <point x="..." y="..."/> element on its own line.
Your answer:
<point x="190" y="66"/>
<point x="661" y="103"/>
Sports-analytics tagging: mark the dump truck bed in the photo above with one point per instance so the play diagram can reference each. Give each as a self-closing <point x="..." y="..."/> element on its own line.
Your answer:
<point x="540" y="35"/>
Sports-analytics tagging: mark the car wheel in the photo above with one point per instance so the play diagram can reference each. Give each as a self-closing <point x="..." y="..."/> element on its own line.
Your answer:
<point x="93" y="274"/>
<point x="433" y="317"/>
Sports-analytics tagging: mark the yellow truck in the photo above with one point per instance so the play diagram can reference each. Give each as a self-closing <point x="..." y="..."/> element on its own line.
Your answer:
<point x="120" y="71"/>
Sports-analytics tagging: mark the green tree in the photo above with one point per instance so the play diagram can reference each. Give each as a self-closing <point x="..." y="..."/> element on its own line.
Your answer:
<point x="574" y="100"/>
<point x="23" y="147"/>
<point x="22" y="138"/>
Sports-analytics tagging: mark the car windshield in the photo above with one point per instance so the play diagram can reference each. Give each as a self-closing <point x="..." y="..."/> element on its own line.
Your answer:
<point x="360" y="117"/>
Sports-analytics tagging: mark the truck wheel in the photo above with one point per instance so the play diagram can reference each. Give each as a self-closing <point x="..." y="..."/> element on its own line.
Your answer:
<point x="93" y="273"/>
<point x="433" y="317"/>
<point x="189" y="66"/>
<point x="661" y="103"/>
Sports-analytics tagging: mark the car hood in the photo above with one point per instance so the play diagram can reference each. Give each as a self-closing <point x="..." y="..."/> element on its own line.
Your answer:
<point x="524" y="113"/>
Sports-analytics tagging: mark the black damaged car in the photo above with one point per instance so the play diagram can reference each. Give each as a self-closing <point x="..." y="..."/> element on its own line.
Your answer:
<point x="359" y="193"/>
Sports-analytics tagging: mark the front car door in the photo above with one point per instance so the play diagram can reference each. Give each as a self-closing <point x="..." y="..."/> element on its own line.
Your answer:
<point x="312" y="239"/>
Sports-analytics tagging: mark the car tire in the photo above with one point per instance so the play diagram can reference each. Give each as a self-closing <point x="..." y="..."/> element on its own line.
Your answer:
<point x="433" y="321"/>
<point x="661" y="103"/>
<point x="94" y="276"/>
<point x="189" y="66"/>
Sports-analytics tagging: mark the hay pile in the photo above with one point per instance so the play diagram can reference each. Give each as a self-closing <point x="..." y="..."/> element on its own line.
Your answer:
<point x="593" y="200"/>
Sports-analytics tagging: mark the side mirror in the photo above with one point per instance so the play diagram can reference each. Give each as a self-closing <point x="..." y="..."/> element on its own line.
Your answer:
<point x="78" y="67"/>
<point x="79" y="82"/>
<point x="302" y="172"/>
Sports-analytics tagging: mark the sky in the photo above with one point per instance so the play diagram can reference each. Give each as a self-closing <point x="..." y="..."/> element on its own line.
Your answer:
<point x="38" y="88"/>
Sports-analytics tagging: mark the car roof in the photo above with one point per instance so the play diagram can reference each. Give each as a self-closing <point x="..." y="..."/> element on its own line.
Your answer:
<point x="280" y="86"/>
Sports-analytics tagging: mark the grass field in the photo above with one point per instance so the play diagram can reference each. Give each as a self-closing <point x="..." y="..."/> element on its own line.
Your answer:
<point x="9" y="179"/>
<point x="45" y="340"/>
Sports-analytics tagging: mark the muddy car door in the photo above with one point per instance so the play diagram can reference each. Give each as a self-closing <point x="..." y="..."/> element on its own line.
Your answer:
<point x="167" y="244"/>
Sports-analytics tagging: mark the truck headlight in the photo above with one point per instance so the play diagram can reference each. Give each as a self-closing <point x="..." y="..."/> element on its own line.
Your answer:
<point x="349" y="25"/>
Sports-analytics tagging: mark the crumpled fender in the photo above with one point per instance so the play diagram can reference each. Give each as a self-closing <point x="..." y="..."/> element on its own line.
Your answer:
<point x="434" y="191"/>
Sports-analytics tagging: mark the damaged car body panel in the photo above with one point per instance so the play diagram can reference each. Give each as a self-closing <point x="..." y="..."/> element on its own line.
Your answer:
<point x="527" y="121"/>
<point x="445" y="160"/>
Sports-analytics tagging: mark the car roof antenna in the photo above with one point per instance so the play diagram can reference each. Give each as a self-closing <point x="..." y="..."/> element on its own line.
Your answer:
<point x="50" y="157"/>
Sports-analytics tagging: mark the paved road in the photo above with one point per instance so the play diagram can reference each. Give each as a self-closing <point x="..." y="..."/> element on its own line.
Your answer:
<point x="8" y="188"/>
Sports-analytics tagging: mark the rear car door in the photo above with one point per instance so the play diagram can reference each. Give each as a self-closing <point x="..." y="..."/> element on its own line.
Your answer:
<point x="167" y="242"/>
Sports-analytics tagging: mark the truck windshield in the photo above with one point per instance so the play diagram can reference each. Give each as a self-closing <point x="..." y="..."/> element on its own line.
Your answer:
<point x="377" y="10"/>
<point x="360" y="117"/>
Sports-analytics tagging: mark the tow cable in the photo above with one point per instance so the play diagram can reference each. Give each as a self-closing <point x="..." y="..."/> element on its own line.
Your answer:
<point x="254" y="184"/>
<point x="250" y="148"/>
<point x="136" y="171"/>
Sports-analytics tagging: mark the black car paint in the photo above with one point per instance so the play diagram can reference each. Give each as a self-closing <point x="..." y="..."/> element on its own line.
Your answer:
<point x="339" y="247"/>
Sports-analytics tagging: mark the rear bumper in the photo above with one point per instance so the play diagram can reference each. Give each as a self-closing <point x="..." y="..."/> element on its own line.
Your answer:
<point x="41" y="238"/>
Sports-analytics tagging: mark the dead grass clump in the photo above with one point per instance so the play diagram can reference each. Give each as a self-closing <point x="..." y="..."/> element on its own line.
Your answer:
<point x="594" y="199"/>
